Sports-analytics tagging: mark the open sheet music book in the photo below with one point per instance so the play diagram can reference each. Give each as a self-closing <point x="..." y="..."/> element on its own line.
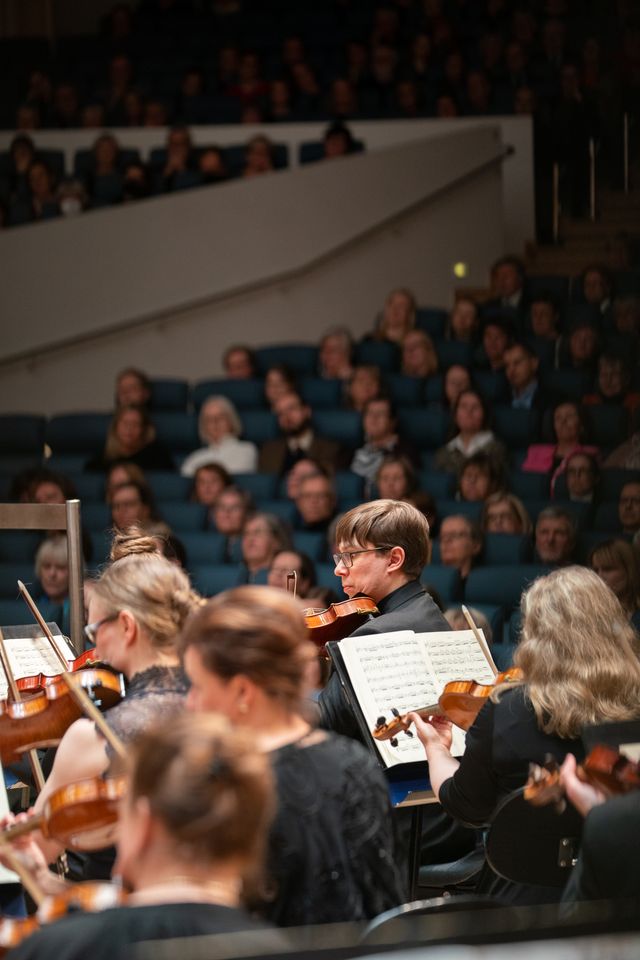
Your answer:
<point x="30" y="654"/>
<point x="408" y="671"/>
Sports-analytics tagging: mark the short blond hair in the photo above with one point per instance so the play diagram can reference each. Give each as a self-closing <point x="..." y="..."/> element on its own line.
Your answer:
<point x="389" y="523"/>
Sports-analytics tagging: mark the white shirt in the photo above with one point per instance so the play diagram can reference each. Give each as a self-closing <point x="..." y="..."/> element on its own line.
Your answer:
<point x="236" y="456"/>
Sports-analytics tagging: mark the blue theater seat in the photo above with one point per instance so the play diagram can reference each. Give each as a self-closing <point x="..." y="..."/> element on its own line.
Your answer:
<point x="378" y="353"/>
<point x="426" y="428"/>
<point x="405" y="391"/>
<point x="183" y="517"/>
<point x="178" y="431"/>
<point x="78" y="433"/>
<point x="22" y="435"/>
<point x="433" y="320"/>
<point x="301" y="357"/>
<point x="243" y="394"/>
<point x="506" y="548"/>
<point x="344" y="426"/>
<point x="502" y="585"/>
<point x="312" y="543"/>
<point x="203" y="547"/>
<point x="259" y="426"/>
<point x="10" y="573"/>
<point x="446" y="580"/>
<point x="517" y="428"/>
<point x="320" y="393"/>
<point x="261" y="486"/>
<point x="169" y="486"/>
<point x="169" y="393"/>
<point x="210" y="579"/>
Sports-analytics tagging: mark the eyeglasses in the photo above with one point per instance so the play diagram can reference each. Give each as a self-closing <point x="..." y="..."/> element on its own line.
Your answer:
<point x="346" y="559"/>
<point x="91" y="629"/>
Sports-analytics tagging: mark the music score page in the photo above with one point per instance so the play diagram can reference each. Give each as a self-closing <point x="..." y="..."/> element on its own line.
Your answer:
<point x="408" y="671"/>
<point x="30" y="656"/>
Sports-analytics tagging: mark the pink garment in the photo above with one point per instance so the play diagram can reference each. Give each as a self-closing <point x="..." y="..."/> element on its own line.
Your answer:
<point x="540" y="456"/>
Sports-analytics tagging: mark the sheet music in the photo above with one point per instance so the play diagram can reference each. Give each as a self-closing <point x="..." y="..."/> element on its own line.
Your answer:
<point x="29" y="656"/>
<point x="408" y="671"/>
<point x="390" y="670"/>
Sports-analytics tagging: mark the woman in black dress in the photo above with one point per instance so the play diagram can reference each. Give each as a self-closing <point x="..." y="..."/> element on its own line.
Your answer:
<point x="579" y="657"/>
<point x="330" y="854"/>
<point x="191" y="831"/>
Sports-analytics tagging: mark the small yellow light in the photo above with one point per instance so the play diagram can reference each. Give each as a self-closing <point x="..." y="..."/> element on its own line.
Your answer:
<point x="459" y="270"/>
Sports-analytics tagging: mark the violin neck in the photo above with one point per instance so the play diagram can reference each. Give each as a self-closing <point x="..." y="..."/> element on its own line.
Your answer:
<point x="21" y="829"/>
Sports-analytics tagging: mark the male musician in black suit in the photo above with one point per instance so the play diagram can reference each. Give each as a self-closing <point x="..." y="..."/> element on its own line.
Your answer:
<point x="383" y="547"/>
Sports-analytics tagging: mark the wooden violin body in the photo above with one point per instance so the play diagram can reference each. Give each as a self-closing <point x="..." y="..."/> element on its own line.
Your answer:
<point x="41" y="680"/>
<point x="42" y="718"/>
<point x="13" y="930"/>
<point x="338" y="620"/>
<point x="460" y="702"/>
<point x="604" y="767"/>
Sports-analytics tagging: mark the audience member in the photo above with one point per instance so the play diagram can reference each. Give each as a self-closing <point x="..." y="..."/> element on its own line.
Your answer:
<point x="335" y="354"/>
<point x="263" y="535"/>
<point x="365" y="385"/>
<point x="230" y="513"/>
<point x="52" y="570"/>
<point x="616" y="562"/>
<point x="582" y="475"/>
<point x="208" y="483"/>
<point x="507" y="287"/>
<point x="579" y="349"/>
<point x="380" y="427"/>
<point x="398" y="316"/>
<point x="521" y="369"/>
<point x="460" y="543"/>
<point x="179" y="169"/>
<point x="455" y="381"/>
<point x="132" y="504"/>
<point x="612" y="385"/>
<point x="239" y="363"/>
<point x="544" y="318"/>
<point x="220" y="427"/>
<point x="258" y="157"/>
<point x="48" y="486"/>
<point x="555" y="536"/>
<point x="122" y="472"/>
<point x="133" y="388"/>
<point x="457" y="621"/>
<point x="569" y="432"/>
<point x="132" y="437"/>
<point x="298" y="438"/>
<point x="279" y="380"/>
<point x="505" y="513"/>
<point x="397" y="479"/>
<point x="629" y="507"/>
<point x="419" y="357"/>
<point x="301" y="469"/>
<point x="463" y="323"/>
<point x="470" y="421"/>
<point x="479" y="476"/>
<point x="337" y="141"/>
<point x="316" y="503"/>
<point x="496" y="338"/>
<point x="596" y="287"/>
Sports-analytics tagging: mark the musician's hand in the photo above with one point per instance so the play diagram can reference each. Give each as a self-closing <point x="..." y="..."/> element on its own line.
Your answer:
<point x="435" y="731"/>
<point x="583" y="796"/>
<point x="25" y="848"/>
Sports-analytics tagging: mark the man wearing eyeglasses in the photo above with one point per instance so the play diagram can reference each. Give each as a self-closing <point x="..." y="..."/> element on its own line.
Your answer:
<point x="382" y="548"/>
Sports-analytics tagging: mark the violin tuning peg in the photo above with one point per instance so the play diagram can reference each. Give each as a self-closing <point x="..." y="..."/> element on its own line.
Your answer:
<point x="395" y="711"/>
<point x="394" y="741"/>
<point x="409" y="733"/>
<point x="380" y="722"/>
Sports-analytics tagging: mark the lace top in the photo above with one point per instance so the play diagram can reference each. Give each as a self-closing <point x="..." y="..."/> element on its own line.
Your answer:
<point x="152" y="693"/>
<point x="330" y="854"/>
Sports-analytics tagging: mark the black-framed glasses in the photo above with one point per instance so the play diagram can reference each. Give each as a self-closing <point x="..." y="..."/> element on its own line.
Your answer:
<point x="91" y="629"/>
<point x="346" y="559"/>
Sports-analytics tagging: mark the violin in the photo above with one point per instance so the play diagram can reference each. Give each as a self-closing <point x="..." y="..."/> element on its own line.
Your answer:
<point x="81" y="816"/>
<point x="40" y="680"/>
<point x="338" y="620"/>
<point x="460" y="702"/>
<point x="40" y="719"/>
<point x="13" y="930"/>
<point x="604" y="767"/>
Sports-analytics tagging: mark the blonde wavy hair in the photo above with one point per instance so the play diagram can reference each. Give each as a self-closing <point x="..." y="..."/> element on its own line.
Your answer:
<point x="154" y="590"/>
<point x="578" y="653"/>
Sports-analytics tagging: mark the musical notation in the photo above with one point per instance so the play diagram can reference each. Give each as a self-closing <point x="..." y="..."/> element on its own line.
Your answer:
<point x="30" y="656"/>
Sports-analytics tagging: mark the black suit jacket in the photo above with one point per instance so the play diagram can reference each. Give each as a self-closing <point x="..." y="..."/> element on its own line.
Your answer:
<point x="408" y="608"/>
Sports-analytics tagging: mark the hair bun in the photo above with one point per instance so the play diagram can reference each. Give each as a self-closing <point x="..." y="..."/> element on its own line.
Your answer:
<point x="132" y="542"/>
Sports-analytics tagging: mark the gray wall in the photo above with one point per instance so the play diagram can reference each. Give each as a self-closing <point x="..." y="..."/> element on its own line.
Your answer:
<point x="169" y="283"/>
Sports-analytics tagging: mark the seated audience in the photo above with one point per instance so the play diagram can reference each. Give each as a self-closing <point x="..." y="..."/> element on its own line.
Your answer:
<point x="316" y="503"/>
<point x="397" y="318"/>
<point x="569" y="434"/>
<point x="629" y="507"/>
<point x="365" y="385"/>
<point x="505" y="513"/>
<point x="582" y="475"/>
<point x="397" y="479"/>
<point x="596" y="286"/>
<point x="575" y="641"/>
<point x="337" y="141"/>
<point x="229" y="515"/>
<point x="580" y="348"/>
<point x="508" y="287"/>
<point x="122" y="472"/>
<point x="544" y="319"/>
<point x="616" y="562"/>
<point x="258" y="157"/>
<point x="460" y="542"/>
<point x="220" y="427"/>
<point x="463" y="323"/>
<point x="555" y="536"/>
<point x="330" y="854"/>
<point x="286" y="562"/>
<point x="239" y="363"/>
<point x="180" y="166"/>
<point x="263" y="535"/>
<point x="52" y="570"/>
<point x="419" y="357"/>
<point x="496" y="338"/>
<point x="133" y="388"/>
<point x="192" y="829"/>
<point x="279" y="380"/>
<point x="521" y="370"/>
<point x="612" y="385"/>
<point x="298" y="440"/>
<point x="479" y="477"/>
<point x="335" y="354"/>
<point x="132" y="437"/>
<point x="301" y="469"/>
<point x="132" y="504"/>
<point x="455" y="380"/>
<point x="457" y="621"/>
<point x="469" y="426"/>
<point x="48" y="486"/>
<point x="209" y="482"/>
<point x="380" y="427"/>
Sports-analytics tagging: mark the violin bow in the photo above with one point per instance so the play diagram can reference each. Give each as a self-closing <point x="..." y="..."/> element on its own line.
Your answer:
<point x="81" y="698"/>
<point x="34" y="759"/>
<point x="478" y="635"/>
<point x="292" y="583"/>
<point x="26" y="879"/>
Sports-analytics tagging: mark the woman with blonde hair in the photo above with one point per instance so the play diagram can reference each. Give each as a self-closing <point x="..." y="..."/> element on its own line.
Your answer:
<point x="579" y="659"/>
<point x="505" y="513"/>
<point x="137" y="609"/>
<point x="419" y="357"/>
<point x="330" y="852"/>
<point x="220" y="427"/>
<point x="192" y="829"/>
<point x="398" y="316"/>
